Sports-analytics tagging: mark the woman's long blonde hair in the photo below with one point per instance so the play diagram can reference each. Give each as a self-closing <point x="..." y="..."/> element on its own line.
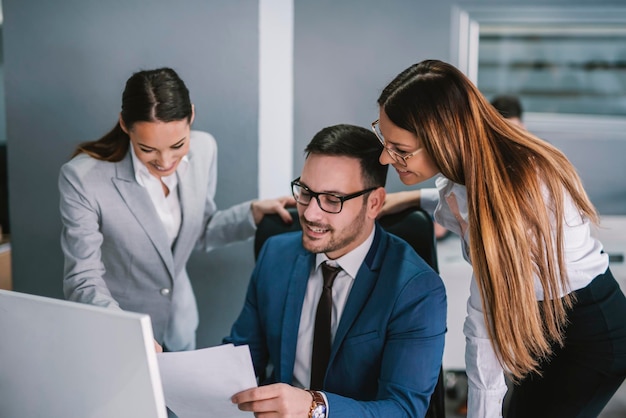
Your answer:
<point x="516" y="190"/>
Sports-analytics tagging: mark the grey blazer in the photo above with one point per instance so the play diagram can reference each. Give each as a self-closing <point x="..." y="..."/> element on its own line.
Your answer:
<point x="116" y="249"/>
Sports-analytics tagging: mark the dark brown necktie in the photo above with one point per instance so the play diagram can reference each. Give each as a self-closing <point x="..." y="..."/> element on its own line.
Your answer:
<point x="321" y="335"/>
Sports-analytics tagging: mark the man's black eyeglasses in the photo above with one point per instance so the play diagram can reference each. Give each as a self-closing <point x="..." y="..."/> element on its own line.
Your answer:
<point x="328" y="202"/>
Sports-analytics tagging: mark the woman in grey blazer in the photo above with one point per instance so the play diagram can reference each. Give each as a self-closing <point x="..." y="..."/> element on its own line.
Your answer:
<point x="136" y="202"/>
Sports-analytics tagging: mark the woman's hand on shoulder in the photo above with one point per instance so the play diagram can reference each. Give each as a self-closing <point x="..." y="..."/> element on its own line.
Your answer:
<point x="260" y="208"/>
<point x="397" y="202"/>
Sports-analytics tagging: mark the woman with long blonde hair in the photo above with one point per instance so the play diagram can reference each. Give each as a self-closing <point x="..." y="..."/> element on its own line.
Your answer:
<point x="544" y="307"/>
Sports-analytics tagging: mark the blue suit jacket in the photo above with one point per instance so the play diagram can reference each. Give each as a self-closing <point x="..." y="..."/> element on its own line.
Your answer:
<point x="387" y="351"/>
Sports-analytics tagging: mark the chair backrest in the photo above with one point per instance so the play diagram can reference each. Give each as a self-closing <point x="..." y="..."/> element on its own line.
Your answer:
<point x="412" y="225"/>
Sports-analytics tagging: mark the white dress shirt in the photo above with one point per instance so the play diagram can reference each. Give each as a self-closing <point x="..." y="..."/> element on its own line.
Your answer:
<point x="167" y="207"/>
<point x="350" y="264"/>
<point x="584" y="261"/>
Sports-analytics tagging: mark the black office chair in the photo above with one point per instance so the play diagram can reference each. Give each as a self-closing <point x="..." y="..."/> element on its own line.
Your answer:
<point x="412" y="225"/>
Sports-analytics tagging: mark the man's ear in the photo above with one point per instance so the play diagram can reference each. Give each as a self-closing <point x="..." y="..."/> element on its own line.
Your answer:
<point x="123" y="125"/>
<point x="375" y="202"/>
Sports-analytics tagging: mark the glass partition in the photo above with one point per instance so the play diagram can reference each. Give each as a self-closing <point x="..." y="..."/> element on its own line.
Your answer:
<point x="560" y="68"/>
<point x="567" y="64"/>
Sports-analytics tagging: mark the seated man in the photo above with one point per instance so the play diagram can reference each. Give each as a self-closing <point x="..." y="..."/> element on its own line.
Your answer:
<point x="377" y="349"/>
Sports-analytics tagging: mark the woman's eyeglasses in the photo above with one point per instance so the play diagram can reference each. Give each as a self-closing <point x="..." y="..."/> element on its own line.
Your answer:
<point x="398" y="157"/>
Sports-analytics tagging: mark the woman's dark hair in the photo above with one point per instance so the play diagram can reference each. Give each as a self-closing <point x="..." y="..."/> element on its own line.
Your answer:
<point x="509" y="106"/>
<point x="356" y="142"/>
<point x="149" y="96"/>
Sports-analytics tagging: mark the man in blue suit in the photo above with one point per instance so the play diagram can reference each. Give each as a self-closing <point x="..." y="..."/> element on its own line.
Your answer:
<point x="388" y="317"/>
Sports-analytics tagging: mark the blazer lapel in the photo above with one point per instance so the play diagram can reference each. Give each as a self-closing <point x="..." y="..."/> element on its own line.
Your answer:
<point x="187" y="236"/>
<point x="139" y="203"/>
<point x="363" y="284"/>
<point x="291" y="317"/>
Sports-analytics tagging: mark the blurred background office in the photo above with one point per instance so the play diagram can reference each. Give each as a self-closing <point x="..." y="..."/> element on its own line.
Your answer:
<point x="266" y="75"/>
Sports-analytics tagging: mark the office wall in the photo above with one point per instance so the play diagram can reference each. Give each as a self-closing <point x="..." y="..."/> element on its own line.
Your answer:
<point x="3" y="120"/>
<point x="4" y="194"/>
<point x="66" y="62"/>
<point x="345" y="52"/>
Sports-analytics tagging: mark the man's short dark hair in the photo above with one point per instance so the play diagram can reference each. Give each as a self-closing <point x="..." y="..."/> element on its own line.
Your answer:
<point x="509" y="106"/>
<point x="355" y="142"/>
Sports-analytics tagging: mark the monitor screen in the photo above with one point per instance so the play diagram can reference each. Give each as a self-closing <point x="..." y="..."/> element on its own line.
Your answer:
<point x="67" y="359"/>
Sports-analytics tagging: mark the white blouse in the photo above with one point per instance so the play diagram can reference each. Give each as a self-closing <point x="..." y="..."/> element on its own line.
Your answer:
<point x="584" y="261"/>
<point x="167" y="207"/>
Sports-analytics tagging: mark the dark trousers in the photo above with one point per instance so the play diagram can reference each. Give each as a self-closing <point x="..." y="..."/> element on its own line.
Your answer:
<point x="582" y="376"/>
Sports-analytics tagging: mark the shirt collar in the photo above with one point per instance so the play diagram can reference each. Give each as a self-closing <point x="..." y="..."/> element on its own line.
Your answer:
<point x="350" y="262"/>
<point x="142" y="174"/>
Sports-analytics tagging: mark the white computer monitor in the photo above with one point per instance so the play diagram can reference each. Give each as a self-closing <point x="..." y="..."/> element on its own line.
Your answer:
<point x="66" y="359"/>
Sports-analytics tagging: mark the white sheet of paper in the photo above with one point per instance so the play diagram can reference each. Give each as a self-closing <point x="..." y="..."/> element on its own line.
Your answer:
<point x="200" y="383"/>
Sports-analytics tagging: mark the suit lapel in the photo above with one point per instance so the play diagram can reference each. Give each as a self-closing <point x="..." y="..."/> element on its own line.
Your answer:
<point x="363" y="284"/>
<point x="139" y="203"/>
<point x="187" y="196"/>
<point x="293" y="310"/>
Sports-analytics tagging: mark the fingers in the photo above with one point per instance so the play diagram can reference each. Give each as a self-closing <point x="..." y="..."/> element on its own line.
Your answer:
<point x="277" y="400"/>
<point x="260" y="208"/>
<point x="288" y="201"/>
<point x="259" y="407"/>
<point x="284" y="215"/>
<point x="259" y="400"/>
